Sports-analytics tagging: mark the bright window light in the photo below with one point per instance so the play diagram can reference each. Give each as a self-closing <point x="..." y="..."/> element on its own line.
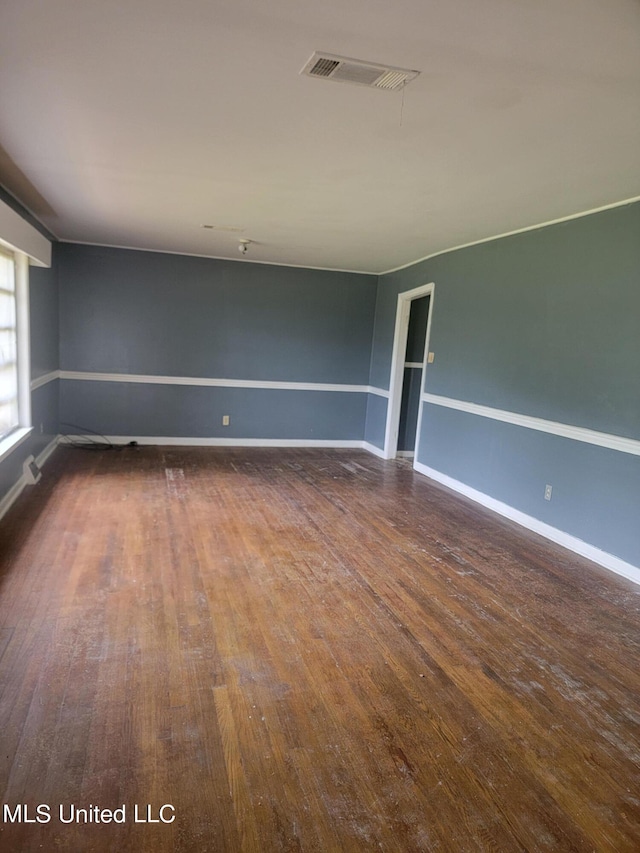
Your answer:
<point x="9" y="410"/>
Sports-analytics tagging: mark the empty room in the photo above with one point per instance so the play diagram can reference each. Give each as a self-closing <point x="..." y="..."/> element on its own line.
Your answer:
<point x="319" y="426"/>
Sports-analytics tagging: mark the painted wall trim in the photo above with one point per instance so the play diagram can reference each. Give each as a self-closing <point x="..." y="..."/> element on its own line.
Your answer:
<point x="16" y="490"/>
<point x="151" y="379"/>
<point x="10" y="442"/>
<point x="571" y="543"/>
<point x="189" y="441"/>
<point x="23" y="334"/>
<point x="537" y="227"/>
<point x="588" y="436"/>
<point x="372" y="448"/>
<point x="44" y="455"/>
<point x="12" y="496"/>
<point x="27" y="213"/>
<point x="379" y="392"/>
<point x="39" y="381"/>
<point x="396" y="375"/>
<point x="20" y="236"/>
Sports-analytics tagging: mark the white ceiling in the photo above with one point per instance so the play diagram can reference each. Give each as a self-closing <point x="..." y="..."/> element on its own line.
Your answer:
<point x="134" y="122"/>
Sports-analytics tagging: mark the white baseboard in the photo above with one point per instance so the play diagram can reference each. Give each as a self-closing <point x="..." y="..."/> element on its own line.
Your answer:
<point x="16" y="490"/>
<point x="12" y="496"/>
<point x="371" y="448"/>
<point x="189" y="441"/>
<point x="572" y="543"/>
<point x="48" y="450"/>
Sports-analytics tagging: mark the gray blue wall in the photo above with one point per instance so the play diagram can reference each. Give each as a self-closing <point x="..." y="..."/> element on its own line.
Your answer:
<point x="543" y="323"/>
<point x="45" y="358"/>
<point x="547" y="324"/>
<point x="128" y="312"/>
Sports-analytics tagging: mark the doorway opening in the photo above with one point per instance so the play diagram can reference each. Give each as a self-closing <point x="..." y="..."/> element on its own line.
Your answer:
<point x="408" y="369"/>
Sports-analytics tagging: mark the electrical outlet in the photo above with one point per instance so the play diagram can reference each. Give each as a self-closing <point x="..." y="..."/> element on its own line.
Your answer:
<point x="431" y="357"/>
<point x="547" y="492"/>
<point x="225" y="420"/>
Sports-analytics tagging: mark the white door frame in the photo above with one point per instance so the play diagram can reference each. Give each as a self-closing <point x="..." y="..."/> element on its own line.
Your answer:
<point x="397" y="367"/>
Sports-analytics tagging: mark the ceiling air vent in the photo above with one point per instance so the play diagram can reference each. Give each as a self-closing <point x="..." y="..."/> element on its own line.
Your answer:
<point x="344" y="70"/>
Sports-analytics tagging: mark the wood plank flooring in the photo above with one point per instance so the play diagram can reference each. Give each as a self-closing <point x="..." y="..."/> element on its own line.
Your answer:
<point x="305" y="650"/>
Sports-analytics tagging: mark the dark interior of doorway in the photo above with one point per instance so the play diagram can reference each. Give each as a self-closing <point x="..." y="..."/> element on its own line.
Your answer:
<point x="412" y="378"/>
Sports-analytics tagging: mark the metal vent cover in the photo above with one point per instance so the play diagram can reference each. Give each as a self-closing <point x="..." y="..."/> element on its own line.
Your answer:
<point x="341" y="69"/>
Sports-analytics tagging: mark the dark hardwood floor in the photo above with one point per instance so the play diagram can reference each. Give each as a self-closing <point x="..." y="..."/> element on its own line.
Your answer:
<point x="305" y="650"/>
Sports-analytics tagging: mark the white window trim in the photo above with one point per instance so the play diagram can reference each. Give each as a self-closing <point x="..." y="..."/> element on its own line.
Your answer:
<point x="13" y="440"/>
<point x="27" y="244"/>
<point x="24" y="344"/>
<point x="17" y="436"/>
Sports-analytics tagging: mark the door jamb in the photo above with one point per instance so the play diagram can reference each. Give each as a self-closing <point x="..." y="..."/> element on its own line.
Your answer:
<point x="397" y="367"/>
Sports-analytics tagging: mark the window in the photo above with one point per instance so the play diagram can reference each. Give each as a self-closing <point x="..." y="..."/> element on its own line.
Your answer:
<point x="9" y="411"/>
<point x="20" y="244"/>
